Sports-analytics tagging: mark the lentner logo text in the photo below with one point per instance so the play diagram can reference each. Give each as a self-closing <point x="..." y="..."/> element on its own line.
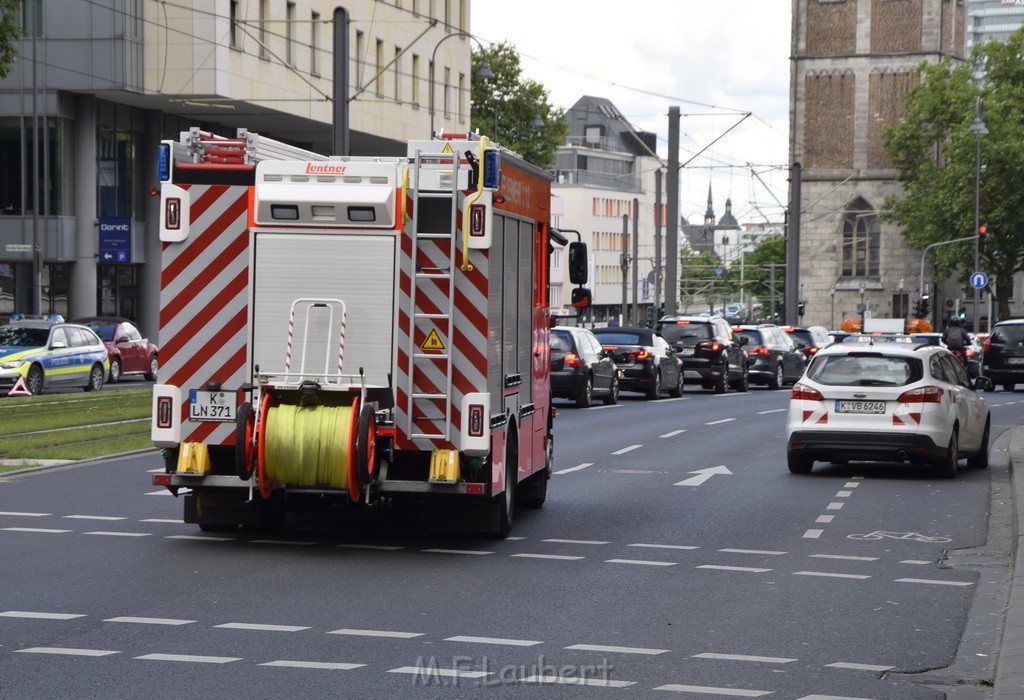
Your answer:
<point x="324" y="169"/>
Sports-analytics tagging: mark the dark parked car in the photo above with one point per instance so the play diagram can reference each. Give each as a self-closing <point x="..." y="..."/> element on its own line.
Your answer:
<point x="128" y="351"/>
<point x="580" y="368"/>
<point x="647" y="362"/>
<point x="775" y="359"/>
<point x="711" y="353"/>
<point x="812" y="338"/>
<point x="1003" y="355"/>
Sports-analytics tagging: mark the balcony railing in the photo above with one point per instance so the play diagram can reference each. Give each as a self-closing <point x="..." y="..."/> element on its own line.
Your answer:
<point x="607" y="181"/>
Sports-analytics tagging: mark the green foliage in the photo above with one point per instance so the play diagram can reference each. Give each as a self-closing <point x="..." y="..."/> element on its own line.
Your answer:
<point x="934" y="152"/>
<point x="504" y="108"/>
<point x="10" y="31"/>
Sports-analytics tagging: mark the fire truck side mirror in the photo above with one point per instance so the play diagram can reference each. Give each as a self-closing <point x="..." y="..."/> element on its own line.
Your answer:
<point x="578" y="263"/>
<point x="580" y="297"/>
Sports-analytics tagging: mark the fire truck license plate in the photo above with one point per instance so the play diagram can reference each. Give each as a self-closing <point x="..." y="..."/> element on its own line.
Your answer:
<point x="216" y="406"/>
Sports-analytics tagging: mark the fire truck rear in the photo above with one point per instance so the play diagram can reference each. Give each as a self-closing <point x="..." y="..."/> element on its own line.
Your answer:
<point x="353" y="331"/>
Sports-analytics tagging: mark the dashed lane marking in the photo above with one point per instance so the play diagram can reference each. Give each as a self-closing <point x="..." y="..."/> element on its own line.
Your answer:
<point x="45" y="530"/>
<point x="825" y="519"/>
<point x="752" y="551"/>
<point x="844" y="557"/>
<point x="119" y="534"/>
<point x="934" y="582"/>
<point x="468" y="552"/>
<point x="151" y="621"/>
<point x="30" y="615"/>
<point x="774" y="410"/>
<point x="432" y="672"/>
<point x="745" y="657"/>
<point x="498" y="641"/>
<point x="381" y="547"/>
<point x="390" y="634"/>
<point x="92" y="517"/>
<point x="915" y="561"/>
<point x="260" y="628"/>
<point x="624" y="450"/>
<point x="24" y="515"/>
<point x="813" y="534"/>
<point x="749" y="569"/>
<point x="851" y="484"/>
<point x="719" y="422"/>
<point x="557" y="557"/>
<point x="844" y="494"/>
<point x="578" y="680"/>
<point x="827" y="574"/>
<point x="711" y="690"/>
<point x="663" y="546"/>
<point x="190" y="658"/>
<point x="617" y="650"/>
<point x="641" y="562"/>
<point x="859" y="667"/>
<point x="575" y="469"/>
<point x="66" y="651"/>
<point x="576" y="541"/>
<point x="834" y="506"/>
<point x="672" y="433"/>
<point x="201" y="538"/>
<point x="296" y="543"/>
<point x="172" y="521"/>
<point x="324" y="665"/>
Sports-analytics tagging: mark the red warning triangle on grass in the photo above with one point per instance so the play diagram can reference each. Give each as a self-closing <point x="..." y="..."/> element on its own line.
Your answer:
<point x="19" y="388"/>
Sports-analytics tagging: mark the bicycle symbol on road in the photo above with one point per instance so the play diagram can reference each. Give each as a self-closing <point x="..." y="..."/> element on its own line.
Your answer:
<point x="911" y="536"/>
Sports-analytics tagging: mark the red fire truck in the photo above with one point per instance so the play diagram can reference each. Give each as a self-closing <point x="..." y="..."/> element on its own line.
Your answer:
<point x="353" y="331"/>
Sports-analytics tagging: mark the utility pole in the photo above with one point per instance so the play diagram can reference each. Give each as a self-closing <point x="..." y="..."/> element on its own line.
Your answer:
<point x="624" y="264"/>
<point x="635" y="320"/>
<point x="657" y="244"/>
<point x="672" y="196"/>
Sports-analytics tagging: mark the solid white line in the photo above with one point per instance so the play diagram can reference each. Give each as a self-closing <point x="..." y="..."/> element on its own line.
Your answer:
<point x="843" y="557"/>
<point x="719" y="422"/>
<point x="92" y="517"/>
<point x="259" y="628"/>
<point x="203" y="538"/>
<point x="774" y="410"/>
<point x="829" y="575"/>
<point x="326" y="665"/>
<point x="844" y="494"/>
<point x="297" y="543"/>
<point x="494" y="640"/>
<point x="24" y="515"/>
<point x="858" y="667"/>
<point x="834" y="506"/>
<point x="575" y="469"/>
<point x="752" y="551"/>
<point x="663" y="546"/>
<point x="381" y="547"/>
<point x="825" y="518"/>
<point x="475" y="552"/>
<point x="150" y="620"/>
<point x="734" y="568"/>
<point x="624" y="450"/>
<point x="813" y="534"/>
<point x="119" y="534"/>
<point x="578" y="680"/>
<point x="709" y="690"/>
<point x="576" y="541"/>
<point x="431" y="672"/>
<point x="66" y="652"/>
<point x="642" y="562"/>
<point x="175" y="521"/>
<point x="377" y="633"/>
<point x="915" y="561"/>
<point x="672" y="434"/>
<point x="36" y="529"/>
<point x="744" y="657"/>
<point x="39" y="615"/>
<point x="934" y="582"/>
<point x="190" y="658"/>
<point x="559" y="557"/>
<point x="617" y="650"/>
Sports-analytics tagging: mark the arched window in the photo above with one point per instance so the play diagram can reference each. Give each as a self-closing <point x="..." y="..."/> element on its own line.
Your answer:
<point x="860" y="240"/>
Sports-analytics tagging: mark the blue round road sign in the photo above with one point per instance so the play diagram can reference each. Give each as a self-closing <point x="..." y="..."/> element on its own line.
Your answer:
<point x="979" y="280"/>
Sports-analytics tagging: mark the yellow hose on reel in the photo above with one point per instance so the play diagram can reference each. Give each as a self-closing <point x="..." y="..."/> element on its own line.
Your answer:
<point x="309" y="445"/>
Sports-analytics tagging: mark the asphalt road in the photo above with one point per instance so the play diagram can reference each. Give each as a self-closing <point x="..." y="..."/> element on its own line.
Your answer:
<point x="675" y="554"/>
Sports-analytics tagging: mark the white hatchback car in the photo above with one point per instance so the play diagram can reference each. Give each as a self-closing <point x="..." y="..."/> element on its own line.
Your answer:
<point x="887" y="402"/>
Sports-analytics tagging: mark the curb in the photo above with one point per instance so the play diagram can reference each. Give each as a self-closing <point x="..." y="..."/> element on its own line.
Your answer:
<point x="28" y="466"/>
<point x="1009" y="679"/>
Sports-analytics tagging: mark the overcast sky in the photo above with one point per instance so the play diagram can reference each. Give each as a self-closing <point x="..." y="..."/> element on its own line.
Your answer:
<point x="714" y="59"/>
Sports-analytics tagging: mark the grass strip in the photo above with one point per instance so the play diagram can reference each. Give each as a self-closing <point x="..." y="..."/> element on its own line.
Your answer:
<point x="122" y="405"/>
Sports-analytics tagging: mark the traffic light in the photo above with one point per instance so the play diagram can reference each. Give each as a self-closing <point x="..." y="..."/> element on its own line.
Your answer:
<point x="982" y="233"/>
<point x="962" y="312"/>
<point x="800" y="306"/>
<point x="921" y="308"/>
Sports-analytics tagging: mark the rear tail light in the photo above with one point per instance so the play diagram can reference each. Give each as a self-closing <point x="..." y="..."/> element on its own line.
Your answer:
<point x="969" y="352"/>
<point x="712" y="345"/>
<point x="812" y="349"/>
<point x="988" y="344"/>
<point x="572" y="360"/>
<point x="759" y="351"/>
<point x="924" y="394"/>
<point x="803" y="392"/>
<point x="639" y="355"/>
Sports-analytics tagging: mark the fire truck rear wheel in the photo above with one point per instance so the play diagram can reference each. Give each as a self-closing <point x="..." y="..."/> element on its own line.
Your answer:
<point x="506" y="500"/>
<point x="245" y="421"/>
<point x="366" y="445"/>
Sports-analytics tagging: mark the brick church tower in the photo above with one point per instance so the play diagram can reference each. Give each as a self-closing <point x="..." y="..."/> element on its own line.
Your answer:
<point x="853" y="63"/>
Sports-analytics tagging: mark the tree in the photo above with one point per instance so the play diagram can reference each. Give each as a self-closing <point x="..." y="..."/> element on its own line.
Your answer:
<point x="504" y="107"/>
<point x="10" y="30"/>
<point x="699" y="280"/>
<point x="933" y="150"/>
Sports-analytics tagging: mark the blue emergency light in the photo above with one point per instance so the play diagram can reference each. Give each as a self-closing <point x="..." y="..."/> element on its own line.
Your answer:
<point x="163" y="162"/>
<point x="492" y="169"/>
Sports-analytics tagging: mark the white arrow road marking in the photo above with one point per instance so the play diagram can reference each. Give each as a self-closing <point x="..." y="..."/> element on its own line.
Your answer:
<point x="703" y="475"/>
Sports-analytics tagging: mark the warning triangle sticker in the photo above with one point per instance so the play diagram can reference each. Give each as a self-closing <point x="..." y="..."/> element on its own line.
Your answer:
<point x="448" y="148"/>
<point x="19" y="388"/>
<point x="432" y="343"/>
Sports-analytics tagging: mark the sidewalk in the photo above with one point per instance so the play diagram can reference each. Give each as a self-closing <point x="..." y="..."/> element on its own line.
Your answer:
<point x="1009" y="680"/>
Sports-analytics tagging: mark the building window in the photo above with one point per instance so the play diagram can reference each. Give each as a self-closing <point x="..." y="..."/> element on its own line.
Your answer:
<point x="462" y="87"/>
<point x="447" y="85"/>
<point x="116" y="173"/>
<point x="55" y="155"/>
<point x="314" y="44"/>
<point x="289" y="33"/>
<point x="262" y="31"/>
<point x="360" y="48"/>
<point x="398" y="74"/>
<point x="416" y="80"/>
<point x="32" y="17"/>
<point x="379" y="68"/>
<point x="233" y="24"/>
<point x="861" y="241"/>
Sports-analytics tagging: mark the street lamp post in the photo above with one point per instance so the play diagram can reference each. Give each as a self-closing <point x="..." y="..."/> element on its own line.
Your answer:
<point x="979" y="130"/>
<point x="484" y="71"/>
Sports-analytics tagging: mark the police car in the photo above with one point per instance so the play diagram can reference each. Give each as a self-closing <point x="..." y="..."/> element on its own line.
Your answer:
<point x="47" y="353"/>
